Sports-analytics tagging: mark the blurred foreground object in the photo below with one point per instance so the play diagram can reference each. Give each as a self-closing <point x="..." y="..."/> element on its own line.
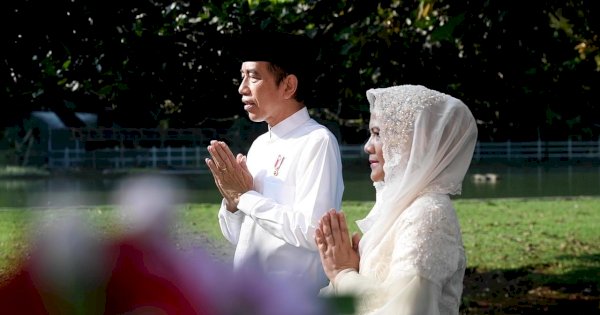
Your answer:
<point x="72" y="270"/>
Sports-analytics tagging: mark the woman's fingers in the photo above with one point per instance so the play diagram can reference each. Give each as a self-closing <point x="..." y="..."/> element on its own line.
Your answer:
<point x="320" y="240"/>
<point x="355" y="241"/>
<point x="335" y="228"/>
<point x="327" y="231"/>
<point x="345" y="234"/>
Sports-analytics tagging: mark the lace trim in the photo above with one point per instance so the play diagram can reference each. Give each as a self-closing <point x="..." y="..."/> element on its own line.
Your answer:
<point x="454" y="188"/>
<point x="396" y="107"/>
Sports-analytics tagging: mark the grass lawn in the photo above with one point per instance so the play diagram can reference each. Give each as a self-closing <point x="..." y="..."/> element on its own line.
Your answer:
<point x="524" y="255"/>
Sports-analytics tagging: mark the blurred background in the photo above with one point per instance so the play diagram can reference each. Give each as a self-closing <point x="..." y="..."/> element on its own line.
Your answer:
<point x="94" y="93"/>
<point x="93" y="89"/>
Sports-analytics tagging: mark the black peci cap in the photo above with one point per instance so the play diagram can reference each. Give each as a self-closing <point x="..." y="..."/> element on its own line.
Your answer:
<point x="295" y="54"/>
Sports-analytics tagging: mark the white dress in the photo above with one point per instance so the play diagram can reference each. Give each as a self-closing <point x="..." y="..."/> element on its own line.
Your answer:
<point x="416" y="269"/>
<point x="412" y="259"/>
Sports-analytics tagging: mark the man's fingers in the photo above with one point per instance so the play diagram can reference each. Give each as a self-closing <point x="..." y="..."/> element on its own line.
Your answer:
<point x="219" y="155"/>
<point x="240" y="159"/>
<point x="215" y="158"/>
<point x="213" y="170"/>
<point x="227" y="159"/>
<point x="211" y="166"/>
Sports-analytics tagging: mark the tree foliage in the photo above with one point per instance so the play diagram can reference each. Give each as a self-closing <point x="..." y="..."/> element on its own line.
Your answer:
<point x="526" y="70"/>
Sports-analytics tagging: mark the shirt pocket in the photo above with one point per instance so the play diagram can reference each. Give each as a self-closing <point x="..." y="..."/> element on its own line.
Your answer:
<point x="278" y="190"/>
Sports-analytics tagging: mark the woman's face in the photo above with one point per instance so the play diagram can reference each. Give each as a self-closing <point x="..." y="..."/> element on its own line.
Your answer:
<point x="374" y="148"/>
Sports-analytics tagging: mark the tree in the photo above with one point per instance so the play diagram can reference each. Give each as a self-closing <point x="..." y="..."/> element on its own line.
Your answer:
<point x="150" y="63"/>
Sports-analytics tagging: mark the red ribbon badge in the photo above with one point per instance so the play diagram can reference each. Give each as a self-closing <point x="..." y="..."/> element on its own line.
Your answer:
<point x="277" y="165"/>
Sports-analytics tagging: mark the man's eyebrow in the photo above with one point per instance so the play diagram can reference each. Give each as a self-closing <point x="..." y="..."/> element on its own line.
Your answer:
<point x="251" y="71"/>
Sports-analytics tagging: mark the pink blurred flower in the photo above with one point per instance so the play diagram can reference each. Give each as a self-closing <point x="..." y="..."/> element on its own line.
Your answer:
<point x="73" y="271"/>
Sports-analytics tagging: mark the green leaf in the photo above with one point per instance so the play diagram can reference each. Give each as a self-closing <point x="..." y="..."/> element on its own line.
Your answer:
<point x="445" y="32"/>
<point x="66" y="64"/>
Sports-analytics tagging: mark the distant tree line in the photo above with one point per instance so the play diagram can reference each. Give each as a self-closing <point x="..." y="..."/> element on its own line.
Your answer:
<point x="527" y="69"/>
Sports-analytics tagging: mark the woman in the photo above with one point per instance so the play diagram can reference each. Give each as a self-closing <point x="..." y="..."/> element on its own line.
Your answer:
<point x="411" y="258"/>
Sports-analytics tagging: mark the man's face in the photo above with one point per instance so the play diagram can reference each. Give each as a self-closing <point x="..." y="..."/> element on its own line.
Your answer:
<point x="260" y="93"/>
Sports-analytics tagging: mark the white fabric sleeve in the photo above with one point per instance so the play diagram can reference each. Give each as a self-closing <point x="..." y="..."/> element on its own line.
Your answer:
<point x="412" y="296"/>
<point x="230" y="223"/>
<point x="350" y="282"/>
<point x="317" y="190"/>
<point x="408" y="295"/>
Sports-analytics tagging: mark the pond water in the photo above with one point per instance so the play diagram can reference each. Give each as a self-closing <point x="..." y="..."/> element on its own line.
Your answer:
<point x="539" y="181"/>
<point x="501" y="182"/>
<point x="505" y="181"/>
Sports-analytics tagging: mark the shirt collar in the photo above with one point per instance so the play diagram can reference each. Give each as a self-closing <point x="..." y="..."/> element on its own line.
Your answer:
<point x="289" y="124"/>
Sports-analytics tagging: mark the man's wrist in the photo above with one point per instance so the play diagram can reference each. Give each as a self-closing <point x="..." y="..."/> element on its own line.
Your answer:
<point x="236" y="198"/>
<point x="231" y="203"/>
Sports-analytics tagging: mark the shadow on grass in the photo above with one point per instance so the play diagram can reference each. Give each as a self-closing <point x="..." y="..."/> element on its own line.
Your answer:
<point x="531" y="290"/>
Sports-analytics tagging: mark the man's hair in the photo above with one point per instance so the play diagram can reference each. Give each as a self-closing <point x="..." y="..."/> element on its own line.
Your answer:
<point x="280" y="74"/>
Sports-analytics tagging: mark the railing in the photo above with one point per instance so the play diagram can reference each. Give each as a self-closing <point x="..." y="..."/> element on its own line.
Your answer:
<point x="193" y="157"/>
<point x="534" y="150"/>
<point x="538" y="150"/>
<point x="140" y="136"/>
<point x="182" y="157"/>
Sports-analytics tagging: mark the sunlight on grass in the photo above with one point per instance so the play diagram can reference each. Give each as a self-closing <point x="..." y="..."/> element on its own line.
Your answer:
<point x="14" y="227"/>
<point x="558" y="236"/>
<point x="549" y="237"/>
<point x="23" y="171"/>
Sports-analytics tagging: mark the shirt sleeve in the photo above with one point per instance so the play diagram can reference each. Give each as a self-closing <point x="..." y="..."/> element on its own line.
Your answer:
<point x="318" y="188"/>
<point x="230" y="223"/>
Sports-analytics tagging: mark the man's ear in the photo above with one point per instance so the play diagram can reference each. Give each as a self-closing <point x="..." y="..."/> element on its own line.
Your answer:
<point x="290" y="85"/>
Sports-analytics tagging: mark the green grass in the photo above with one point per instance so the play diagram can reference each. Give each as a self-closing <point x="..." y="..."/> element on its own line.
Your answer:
<point x="551" y="237"/>
<point x="22" y="171"/>
<point x="14" y="225"/>
<point x="554" y="238"/>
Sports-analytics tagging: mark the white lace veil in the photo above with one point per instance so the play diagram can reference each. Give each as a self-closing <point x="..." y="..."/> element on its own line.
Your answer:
<point x="428" y="141"/>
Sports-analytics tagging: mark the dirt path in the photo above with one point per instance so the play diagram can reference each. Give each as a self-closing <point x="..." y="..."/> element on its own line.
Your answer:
<point x="513" y="292"/>
<point x="220" y="250"/>
<point x="495" y="292"/>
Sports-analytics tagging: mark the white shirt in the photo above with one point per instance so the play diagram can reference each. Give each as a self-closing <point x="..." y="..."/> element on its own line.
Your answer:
<point x="297" y="174"/>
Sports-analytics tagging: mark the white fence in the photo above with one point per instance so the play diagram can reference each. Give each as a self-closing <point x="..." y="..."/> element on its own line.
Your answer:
<point x="538" y="150"/>
<point x="533" y="150"/>
<point x="127" y="158"/>
<point x="193" y="157"/>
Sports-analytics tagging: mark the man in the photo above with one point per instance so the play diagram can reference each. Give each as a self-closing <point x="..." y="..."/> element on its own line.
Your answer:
<point x="273" y="199"/>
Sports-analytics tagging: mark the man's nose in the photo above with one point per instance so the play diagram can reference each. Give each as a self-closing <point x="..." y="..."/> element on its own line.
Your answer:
<point x="241" y="88"/>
